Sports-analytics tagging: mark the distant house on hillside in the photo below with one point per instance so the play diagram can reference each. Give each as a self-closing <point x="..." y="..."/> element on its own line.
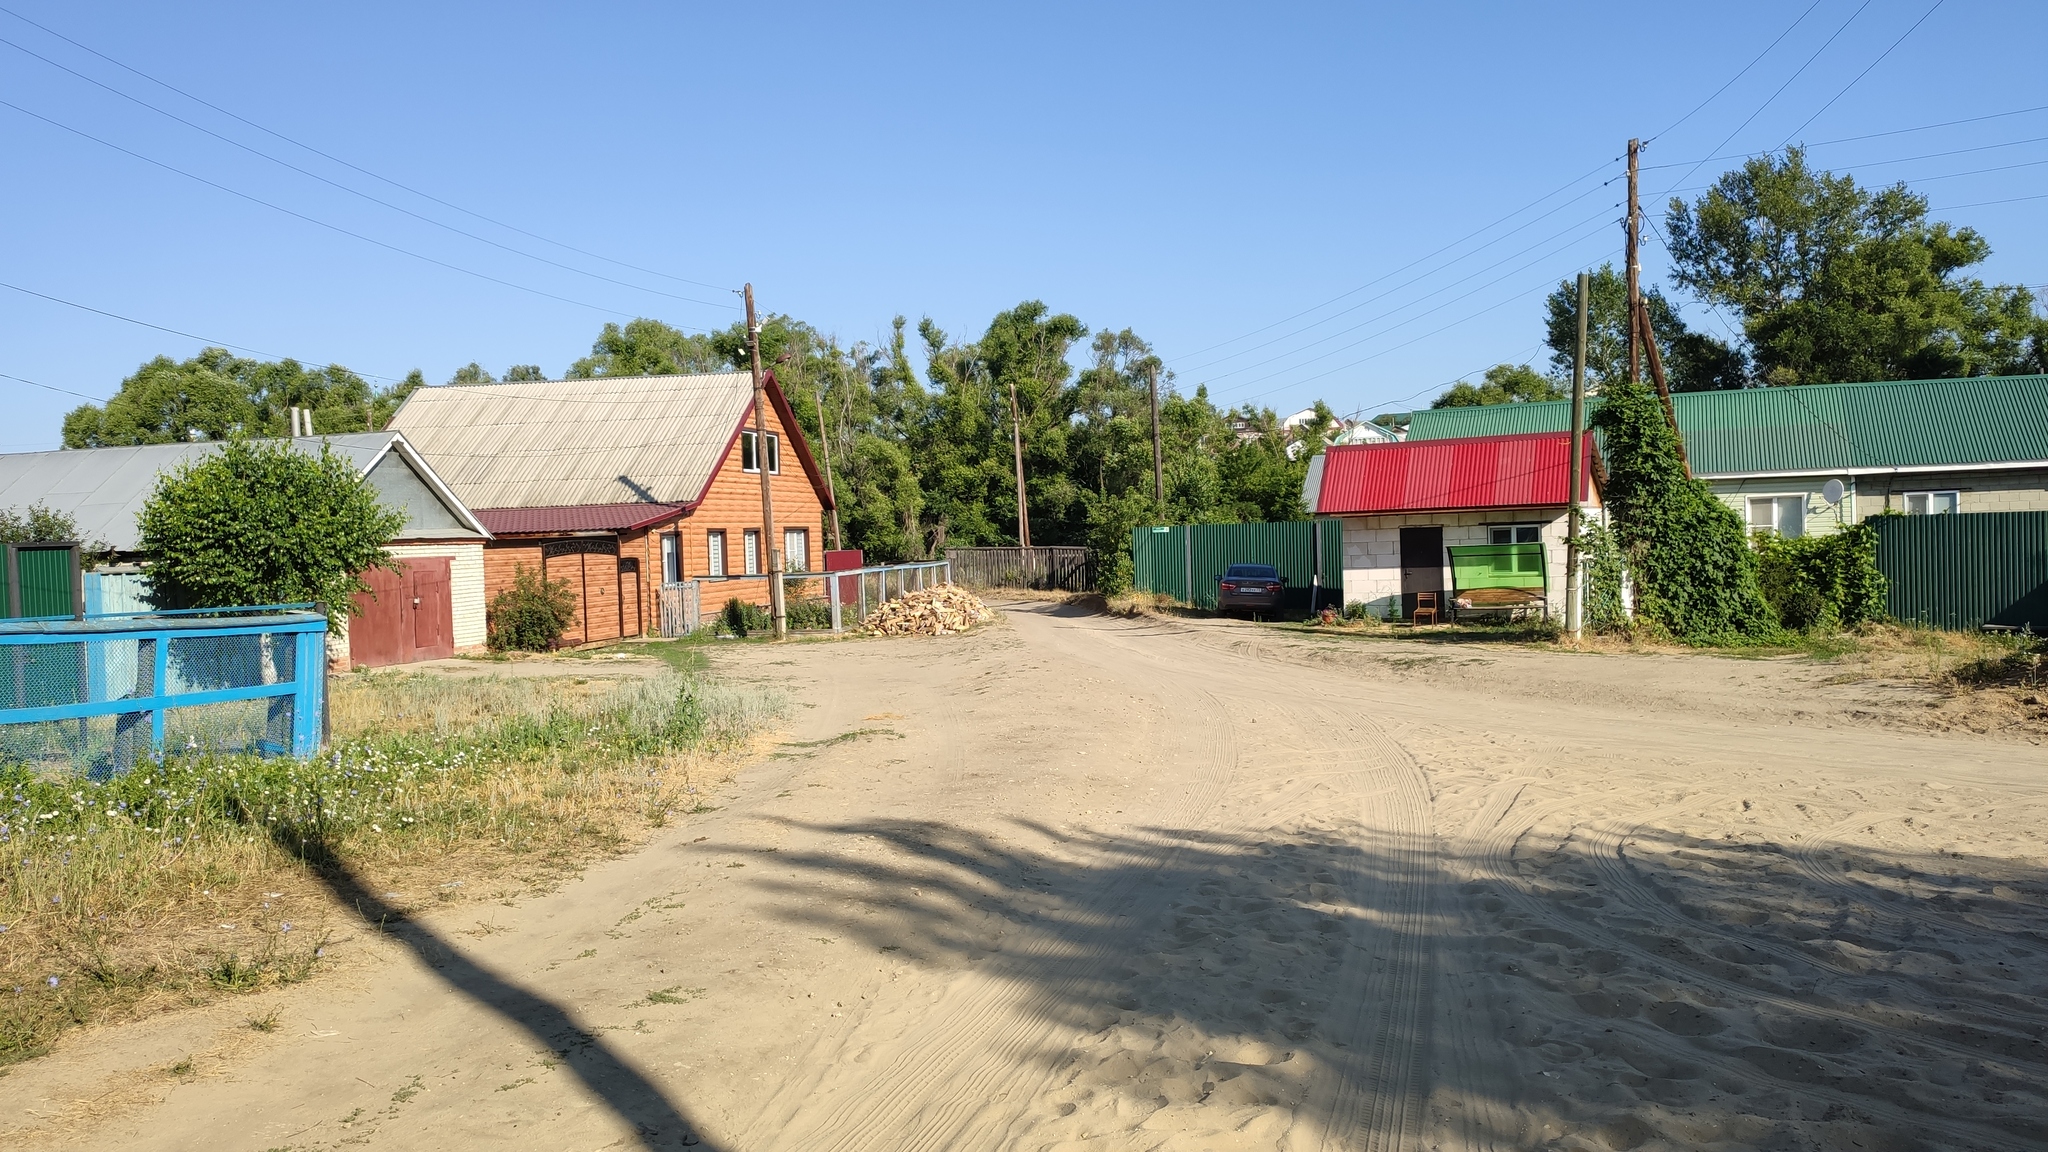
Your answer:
<point x="622" y="484"/>
<point x="433" y="606"/>
<point x="1976" y="444"/>
<point x="1426" y="519"/>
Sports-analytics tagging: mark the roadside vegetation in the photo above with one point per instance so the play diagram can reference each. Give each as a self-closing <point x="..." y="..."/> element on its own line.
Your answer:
<point x="197" y="877"/>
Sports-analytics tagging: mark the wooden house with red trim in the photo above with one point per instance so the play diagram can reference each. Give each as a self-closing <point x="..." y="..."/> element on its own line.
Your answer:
<point x="621" y="484"/>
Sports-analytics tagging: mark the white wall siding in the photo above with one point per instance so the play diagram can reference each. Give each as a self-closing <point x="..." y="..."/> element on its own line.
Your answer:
<point x="466" y="586"/>
<point x="1372" y="550"/>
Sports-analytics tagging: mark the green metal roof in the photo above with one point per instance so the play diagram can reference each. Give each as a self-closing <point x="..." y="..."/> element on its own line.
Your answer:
<point x="1817" y="427"/>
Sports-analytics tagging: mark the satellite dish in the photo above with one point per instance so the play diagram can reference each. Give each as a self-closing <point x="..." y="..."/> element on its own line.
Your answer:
<point x="1833" y="491"/>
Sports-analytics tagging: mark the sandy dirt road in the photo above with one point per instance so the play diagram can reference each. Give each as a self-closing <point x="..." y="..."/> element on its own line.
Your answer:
<point x="1076" y="882"/>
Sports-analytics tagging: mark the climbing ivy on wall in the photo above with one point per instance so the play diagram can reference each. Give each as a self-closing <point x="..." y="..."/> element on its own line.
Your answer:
<point x="1605" y="609"/>
<point x="1696" y="576"/>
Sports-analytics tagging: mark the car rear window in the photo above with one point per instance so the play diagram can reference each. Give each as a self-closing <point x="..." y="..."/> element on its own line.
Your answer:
<point x="1254" y="571"/>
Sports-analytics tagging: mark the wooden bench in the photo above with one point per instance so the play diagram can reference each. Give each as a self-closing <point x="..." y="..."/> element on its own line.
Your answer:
<point x="1514" y="602"/>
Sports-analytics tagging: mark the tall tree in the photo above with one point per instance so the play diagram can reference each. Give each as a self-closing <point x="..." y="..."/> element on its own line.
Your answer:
<point x="647" y="348"/>
<point x="217" y="394"/>
<point x="1502" y="384"/>
<point x="1835" y="282"/>
<point x="1694" y="361"/>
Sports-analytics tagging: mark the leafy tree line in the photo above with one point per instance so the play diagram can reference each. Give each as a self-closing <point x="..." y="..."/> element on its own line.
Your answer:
<point x="1817" y="279"/>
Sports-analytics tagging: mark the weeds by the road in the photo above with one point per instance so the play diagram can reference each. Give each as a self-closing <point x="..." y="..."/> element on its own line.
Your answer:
<point x="196" y="876"/>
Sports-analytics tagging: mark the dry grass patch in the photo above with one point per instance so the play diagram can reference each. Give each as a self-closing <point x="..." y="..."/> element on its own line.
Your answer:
<point x="182" y="881"/>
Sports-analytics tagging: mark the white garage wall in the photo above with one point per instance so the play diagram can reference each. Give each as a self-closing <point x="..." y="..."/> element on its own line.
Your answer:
<point x="1372" y="550"/>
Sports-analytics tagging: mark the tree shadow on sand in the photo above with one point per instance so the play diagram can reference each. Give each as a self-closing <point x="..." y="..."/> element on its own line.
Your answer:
<point x="1166" y="988"/>
<point x="660" y="1123"/>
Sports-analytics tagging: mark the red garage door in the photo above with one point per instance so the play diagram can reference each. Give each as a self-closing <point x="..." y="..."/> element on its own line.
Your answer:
<point x="406" y="615"/>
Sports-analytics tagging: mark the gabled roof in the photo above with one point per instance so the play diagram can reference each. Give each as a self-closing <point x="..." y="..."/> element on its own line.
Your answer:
<point x="1471" y="474"/>
<point x="606" y="441"/>
<point x="1819" y="429"/>
<point x="104" y="489"/>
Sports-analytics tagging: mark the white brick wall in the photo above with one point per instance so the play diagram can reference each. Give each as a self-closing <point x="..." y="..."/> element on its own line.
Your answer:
<point x="1372" y="549"/>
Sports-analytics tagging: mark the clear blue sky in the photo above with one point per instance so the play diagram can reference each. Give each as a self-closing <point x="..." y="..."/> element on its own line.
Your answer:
<point x="1193" y="172"/>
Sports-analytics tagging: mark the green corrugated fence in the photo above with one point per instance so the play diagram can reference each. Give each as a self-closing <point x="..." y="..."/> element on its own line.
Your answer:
<point x="1964" y="571"/>
<point x="1183" y="561"/>
<point x="39" y="579"/>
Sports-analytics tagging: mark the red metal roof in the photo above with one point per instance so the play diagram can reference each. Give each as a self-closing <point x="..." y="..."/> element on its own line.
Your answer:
<point x="576" y="517"/>
<point x="1466" y="474"/>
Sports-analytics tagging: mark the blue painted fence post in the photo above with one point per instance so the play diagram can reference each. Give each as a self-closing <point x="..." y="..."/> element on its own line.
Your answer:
<point x="308" y="702"/>
<point x="160" y="687"/>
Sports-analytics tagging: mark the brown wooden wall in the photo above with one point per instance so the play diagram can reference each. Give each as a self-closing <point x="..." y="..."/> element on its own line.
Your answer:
<point x="732" y="502"/>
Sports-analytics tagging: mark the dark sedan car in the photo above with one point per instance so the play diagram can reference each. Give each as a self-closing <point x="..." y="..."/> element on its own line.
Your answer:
<point x="1251" y="588"/>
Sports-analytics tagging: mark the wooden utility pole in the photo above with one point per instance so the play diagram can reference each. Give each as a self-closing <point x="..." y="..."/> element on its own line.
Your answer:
<point x="1158" y="466"/>
<point x="768" y="545"/>
<point x="1634" y="264"/>
<point x="1649" y="339"/>
<point x="1017" y="446"/>
<point x="1574" y="607"/>
<point x="825" y="445"/>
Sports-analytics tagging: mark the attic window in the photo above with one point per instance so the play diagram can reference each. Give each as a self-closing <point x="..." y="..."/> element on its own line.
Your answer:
<point x="748" y="460"/>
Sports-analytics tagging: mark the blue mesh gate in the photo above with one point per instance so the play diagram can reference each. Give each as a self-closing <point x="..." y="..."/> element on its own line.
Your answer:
<point x="98" y="695"/>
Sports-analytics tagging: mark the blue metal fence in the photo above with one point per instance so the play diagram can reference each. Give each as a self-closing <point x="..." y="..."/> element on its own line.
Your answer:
<point x="101" y="694"/>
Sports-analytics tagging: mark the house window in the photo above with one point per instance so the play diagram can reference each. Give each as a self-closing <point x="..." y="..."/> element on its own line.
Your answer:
<point x="1933" y="503"/>
<point x="671" y="558"/>
<point x="1778" y="515"/>
<point x="715" y="541"/>
<point x="752" y="548"/>
<point x="748" y="462"/>
<point x="1516" y="533"/>
<point x="796" y="549"/>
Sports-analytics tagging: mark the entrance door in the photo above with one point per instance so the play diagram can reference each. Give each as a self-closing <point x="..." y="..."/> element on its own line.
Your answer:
<point x="433" y="608"/>
<point x="1422" y="566"/>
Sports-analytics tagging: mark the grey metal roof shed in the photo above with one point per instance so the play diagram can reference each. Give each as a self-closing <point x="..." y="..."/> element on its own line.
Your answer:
<point x="104" y="489"/>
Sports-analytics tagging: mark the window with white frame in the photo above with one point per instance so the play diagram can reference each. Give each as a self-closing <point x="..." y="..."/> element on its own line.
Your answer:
<point x="1515" y="533"/>
<point x="1778" y="515"/>
<point x="671" y="558"/>
<point x="715" y="541"/>
<point x="1933" y="503"/>
<point x="751" y="463"/>
<point x="796" y="549"/>
<point x="751" y="548"/>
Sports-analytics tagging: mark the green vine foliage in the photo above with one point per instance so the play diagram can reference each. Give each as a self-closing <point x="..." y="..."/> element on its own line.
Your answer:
<point x="1823" y="582"/>
<point x="1696" y="577"/>
<point x="1605" y="609"/>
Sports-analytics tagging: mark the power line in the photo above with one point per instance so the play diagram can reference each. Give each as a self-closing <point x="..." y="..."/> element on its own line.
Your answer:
<point x="313" y="220"/>
<point x="354" y="167"/>
<point x="1801" y="71"/>
<point x="50" y="387"/>
<point x="1739" y="75"/>
<point x="1866" y="71"/>
<point x="175" y="331"/>
<point x="1412" y="263"/>
<point x="308" y="173"/>
<point x="1852" y="139"/>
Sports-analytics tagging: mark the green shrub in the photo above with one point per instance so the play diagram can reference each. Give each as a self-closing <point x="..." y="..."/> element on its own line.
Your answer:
<point x="1823" y="582"/>
<point x="1696" y="577"/>
<point x="1605" y="610"/>
<point x="1358" y="610"/>
<point x="809" y="614"/>
<point x="740" y="618"/>
<point x="264" y="524"/>
<point x="532" y="614"/>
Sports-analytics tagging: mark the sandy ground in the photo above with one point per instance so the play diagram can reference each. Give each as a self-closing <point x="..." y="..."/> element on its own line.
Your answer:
<point x="1075" y="882"/>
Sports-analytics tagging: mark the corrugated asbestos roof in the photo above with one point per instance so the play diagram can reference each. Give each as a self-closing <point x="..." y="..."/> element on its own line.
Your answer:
<point x="1450" y="475"/>
<point x="1818" y="427"/>
<point x="554" y="443"/>
<point x="104" y="489"/>
<point x="575" y="518"/>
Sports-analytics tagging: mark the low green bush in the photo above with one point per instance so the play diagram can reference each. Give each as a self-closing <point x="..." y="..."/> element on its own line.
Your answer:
<point x="532" y="614"/>
<point x="813" y="614"/>
<point x="1823" y="582"/>
<point x="741" y="618"/>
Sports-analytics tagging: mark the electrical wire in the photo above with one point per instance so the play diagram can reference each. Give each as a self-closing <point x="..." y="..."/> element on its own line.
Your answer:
<point x="1801" y="71"/>
<point x="1847" y="139"/>
<point x="177" y="332"/>
<point x="314" y="220"/>
<point x="308" y="173"/>
<point x="354" y="167"/>
<point x="1866" y="71"/>
<point x="50" y="387"/>
<point x="1596" y="170"/>
<point x="1739" y="75"/>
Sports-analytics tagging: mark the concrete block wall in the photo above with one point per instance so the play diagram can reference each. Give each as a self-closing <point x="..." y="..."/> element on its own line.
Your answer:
<point x="1372" y="550"/>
